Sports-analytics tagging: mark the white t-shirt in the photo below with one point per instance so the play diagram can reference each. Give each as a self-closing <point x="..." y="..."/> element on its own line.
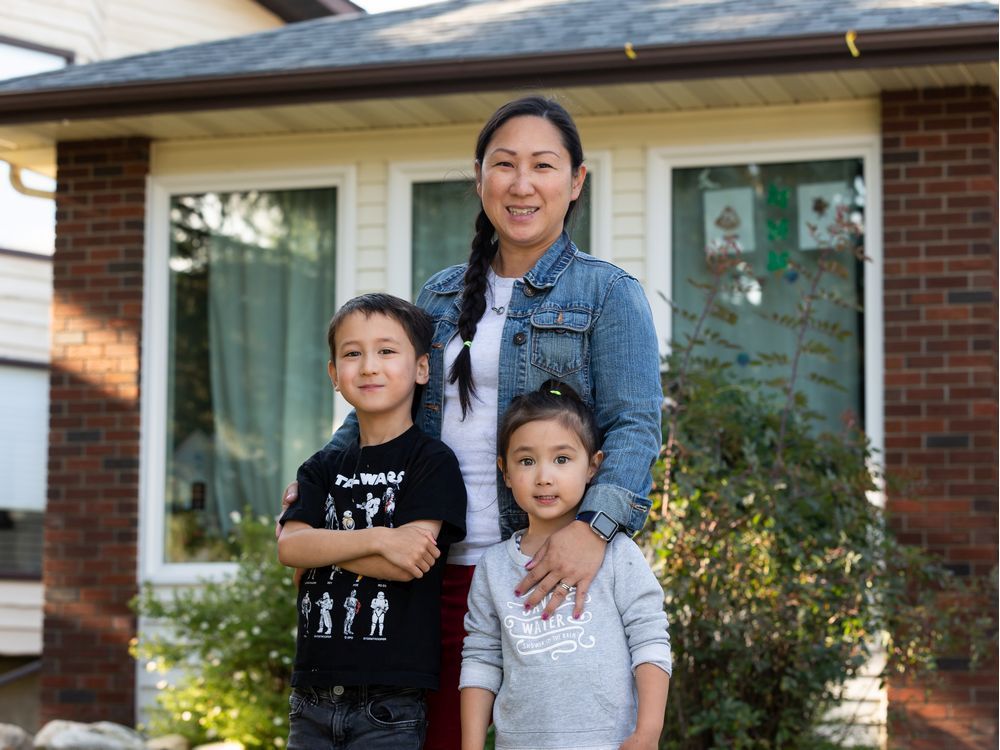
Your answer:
<point x="474" y="439"/>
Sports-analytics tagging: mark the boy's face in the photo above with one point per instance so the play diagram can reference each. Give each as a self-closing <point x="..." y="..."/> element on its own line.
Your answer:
<point x="375" y="366"/>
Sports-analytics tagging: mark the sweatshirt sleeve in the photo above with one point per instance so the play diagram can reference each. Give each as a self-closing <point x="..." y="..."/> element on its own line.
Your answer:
<point x="482" y="659"/>
<point x="640" y="601"/>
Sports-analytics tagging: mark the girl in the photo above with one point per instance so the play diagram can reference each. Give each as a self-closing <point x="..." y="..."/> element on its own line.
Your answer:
<point x="562" y="680"/>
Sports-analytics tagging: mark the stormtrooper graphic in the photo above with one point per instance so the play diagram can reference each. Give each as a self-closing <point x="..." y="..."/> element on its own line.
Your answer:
<point x="305" y="608"/>
<point x="352" y="607"/>
<point x="370" y="507"/>
<point x="379" y="605"/>
<point x="389" y="505"/>
<point x="347" y="521"/>
<point x="330" y="513"/>
<point x="325" y="605"/>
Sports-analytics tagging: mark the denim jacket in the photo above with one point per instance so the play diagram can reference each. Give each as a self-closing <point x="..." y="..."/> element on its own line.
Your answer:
<point x="583" y="321"/>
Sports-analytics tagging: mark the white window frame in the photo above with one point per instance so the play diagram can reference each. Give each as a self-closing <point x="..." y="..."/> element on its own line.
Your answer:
<point x="662" y="161"/>
<point x="399" y="234"/>
<point x="155" y="336"/>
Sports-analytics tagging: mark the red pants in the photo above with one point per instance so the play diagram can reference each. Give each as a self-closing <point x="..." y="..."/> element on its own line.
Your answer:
<point x="444" y="724"/>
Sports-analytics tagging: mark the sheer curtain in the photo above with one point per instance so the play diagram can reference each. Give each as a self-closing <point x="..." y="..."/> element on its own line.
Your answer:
<point x="270" y="296"/>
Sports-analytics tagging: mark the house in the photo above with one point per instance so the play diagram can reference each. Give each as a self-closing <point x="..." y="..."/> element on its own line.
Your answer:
<point x="308" y="163"/>
<point x="36" y="36"/>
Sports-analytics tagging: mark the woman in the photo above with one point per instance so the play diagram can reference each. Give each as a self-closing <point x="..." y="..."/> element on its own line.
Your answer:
<point x="527" y="307"/>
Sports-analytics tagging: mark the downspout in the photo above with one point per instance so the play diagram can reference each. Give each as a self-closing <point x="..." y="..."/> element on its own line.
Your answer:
<point x="18" y="184"/>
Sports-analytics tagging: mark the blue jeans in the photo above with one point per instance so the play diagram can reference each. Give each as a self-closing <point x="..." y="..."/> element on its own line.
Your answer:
<point x="352" y="717"/>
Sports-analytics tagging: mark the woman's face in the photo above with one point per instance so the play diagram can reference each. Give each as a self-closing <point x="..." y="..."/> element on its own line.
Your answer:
<point x="526" y="182"/>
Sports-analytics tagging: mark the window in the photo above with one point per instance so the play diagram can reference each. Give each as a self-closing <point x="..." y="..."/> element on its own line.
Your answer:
<point x="24" y="402"/>
<point x="28" y="229"/>
<point x="247" y="287"/>
<point x="433" y="210"/>
<point x="777" y="216"/>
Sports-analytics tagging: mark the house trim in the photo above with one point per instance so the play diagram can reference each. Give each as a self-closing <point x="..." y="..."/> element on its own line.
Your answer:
<point x="68" y="55"/>
<point x="660" y="163"/>
<point x="152" y="476"/>
<point x="744" y="58"/>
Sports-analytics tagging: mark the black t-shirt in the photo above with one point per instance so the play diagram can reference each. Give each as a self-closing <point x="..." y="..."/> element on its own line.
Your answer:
<point x="355" y="630"/>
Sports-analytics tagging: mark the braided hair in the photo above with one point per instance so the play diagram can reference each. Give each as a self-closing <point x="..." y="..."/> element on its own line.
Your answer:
<point x="484" y="242"/>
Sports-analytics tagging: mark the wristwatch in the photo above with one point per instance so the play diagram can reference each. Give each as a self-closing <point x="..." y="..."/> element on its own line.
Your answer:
<point x="600" y="522"/>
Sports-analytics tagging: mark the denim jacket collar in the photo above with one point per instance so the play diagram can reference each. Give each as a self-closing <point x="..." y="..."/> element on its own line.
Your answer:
<point x="550" y="266"/>
<point x="542" y="275"/>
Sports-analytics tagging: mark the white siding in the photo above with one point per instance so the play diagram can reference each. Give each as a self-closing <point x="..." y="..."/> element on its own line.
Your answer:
<point x="100" y="29"/>
<point x="20" y="618"/>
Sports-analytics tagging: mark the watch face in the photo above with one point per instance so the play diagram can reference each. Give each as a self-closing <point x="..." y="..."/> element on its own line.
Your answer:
<point x="605" y="525"/>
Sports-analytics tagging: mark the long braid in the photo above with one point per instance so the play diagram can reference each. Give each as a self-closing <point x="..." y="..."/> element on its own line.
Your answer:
<point x="473" y="306"/>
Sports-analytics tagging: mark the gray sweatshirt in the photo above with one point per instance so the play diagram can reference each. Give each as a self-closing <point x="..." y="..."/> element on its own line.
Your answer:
<point x="564" y="683"/>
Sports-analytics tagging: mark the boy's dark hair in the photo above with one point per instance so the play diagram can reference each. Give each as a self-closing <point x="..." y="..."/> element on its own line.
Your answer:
<point x="418" y="324"/>
<point x="554" y="400"/>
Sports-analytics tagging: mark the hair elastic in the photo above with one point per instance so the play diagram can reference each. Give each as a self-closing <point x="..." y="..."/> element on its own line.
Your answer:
<point x="467" y="343"/>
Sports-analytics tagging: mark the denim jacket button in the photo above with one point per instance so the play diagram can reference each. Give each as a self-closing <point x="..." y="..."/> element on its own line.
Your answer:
<point x="520" y="337"/>
<point x="529" y="290"/>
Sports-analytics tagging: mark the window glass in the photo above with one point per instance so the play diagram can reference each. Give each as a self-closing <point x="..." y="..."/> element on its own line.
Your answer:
<point x="443" y="224"/>
<point x="777" y="218"/>
<point x="251" y="294"/>
<point x="24" y="403"/>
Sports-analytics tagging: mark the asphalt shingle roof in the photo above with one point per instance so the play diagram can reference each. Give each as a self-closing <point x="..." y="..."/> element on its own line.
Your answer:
<point x="462" y="30"/>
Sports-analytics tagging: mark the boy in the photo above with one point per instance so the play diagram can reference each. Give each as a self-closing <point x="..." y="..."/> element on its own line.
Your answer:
<point x="373" y="521"/>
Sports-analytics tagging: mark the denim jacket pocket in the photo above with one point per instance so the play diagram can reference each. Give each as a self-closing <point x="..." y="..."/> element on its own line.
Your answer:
<point x="559" y="341"/>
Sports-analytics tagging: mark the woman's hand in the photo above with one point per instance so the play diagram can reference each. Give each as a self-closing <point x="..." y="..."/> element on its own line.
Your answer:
<point x="290" y="496"/>
<point x="639" y="741"/>
<point x="571" y="556"/>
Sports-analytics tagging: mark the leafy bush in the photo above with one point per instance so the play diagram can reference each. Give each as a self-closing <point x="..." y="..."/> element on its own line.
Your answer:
<point x="232" y="642"/>
<point x="781" y="578"/>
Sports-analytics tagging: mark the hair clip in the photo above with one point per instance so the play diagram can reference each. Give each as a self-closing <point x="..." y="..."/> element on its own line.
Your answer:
<point x="467" y="343"/>
<point x="556" y="393"/>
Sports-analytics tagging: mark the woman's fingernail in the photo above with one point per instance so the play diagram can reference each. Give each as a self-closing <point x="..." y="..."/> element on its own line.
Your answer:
<point x="517" y="592"/>
<point x="545" y="615"/>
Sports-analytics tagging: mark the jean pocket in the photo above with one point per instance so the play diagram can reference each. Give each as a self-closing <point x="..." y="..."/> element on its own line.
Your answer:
<point x="297" y="701"/>
<point x="400" y="709"/>
<point x="559" y="341"/>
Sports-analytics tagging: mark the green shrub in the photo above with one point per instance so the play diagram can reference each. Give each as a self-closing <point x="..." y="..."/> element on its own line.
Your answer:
<point x="232" y="643"/>
<point x="781" y="577"/>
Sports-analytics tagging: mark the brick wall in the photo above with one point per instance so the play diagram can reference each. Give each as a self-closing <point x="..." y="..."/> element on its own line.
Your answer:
<point x="940" y="193"/>
<point x="91" y="524"/>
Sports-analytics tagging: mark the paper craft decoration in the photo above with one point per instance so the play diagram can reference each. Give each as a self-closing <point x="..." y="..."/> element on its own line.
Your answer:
<point x="729" y="219"/>
<point x="818" y="203"/>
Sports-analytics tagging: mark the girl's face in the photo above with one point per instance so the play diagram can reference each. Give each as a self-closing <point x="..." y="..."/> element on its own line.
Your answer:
<point x="526" y="181"/>
<point x="548" y="469"/>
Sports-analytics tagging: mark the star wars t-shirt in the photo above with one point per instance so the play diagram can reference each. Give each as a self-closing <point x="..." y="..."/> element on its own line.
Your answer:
<point x="355" y="630"/>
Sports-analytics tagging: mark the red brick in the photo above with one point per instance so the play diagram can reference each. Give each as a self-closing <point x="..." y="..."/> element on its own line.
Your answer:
<point x="78" y="481"/>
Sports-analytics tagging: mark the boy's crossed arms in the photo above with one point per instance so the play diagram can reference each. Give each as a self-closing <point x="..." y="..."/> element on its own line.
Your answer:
<point x="402" y="553"/>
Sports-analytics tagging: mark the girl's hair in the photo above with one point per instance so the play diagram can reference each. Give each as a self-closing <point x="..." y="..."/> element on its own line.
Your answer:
<point x="554" y="400"/>
<point x="484" y="243"/>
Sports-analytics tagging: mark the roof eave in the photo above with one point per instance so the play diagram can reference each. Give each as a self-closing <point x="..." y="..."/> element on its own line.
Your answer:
<point x="768" y="56"/>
